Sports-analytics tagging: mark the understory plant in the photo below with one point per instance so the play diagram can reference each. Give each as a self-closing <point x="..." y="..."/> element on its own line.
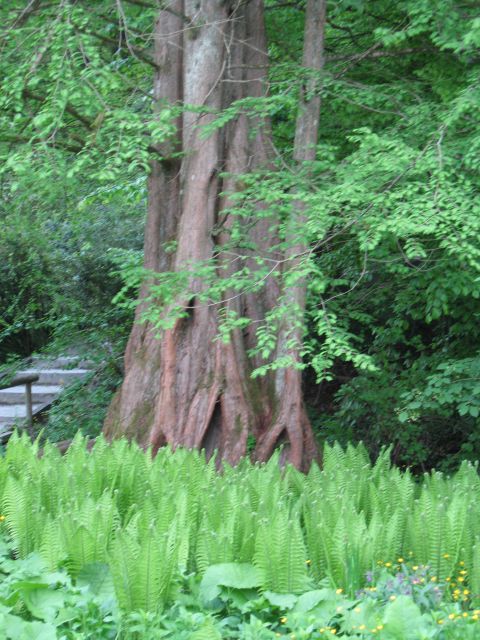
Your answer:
<point x="155" y="519"/>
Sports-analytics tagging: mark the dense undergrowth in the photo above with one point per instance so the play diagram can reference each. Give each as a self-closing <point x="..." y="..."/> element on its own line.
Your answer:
<point x="176" y="549"/>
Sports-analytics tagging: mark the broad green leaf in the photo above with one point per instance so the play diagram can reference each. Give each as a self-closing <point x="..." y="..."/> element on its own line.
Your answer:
<point x="230" y="574"/>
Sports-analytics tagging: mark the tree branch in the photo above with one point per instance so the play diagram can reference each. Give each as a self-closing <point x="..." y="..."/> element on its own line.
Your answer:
<point x="377" y="54"/>
<point x="139" y="53"/>
<point x="31" y="95"/>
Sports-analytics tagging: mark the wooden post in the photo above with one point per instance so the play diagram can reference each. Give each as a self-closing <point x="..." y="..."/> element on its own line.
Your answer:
<point x="29" y="406"/>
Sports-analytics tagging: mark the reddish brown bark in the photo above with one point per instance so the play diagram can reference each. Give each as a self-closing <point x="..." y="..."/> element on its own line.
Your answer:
<point x="186" y="388"/>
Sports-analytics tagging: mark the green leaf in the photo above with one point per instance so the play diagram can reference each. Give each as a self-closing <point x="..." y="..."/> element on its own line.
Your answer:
<point x="403" y="620"/>
<point x="230" y="574"/>
<point x="43" y="603"/>
<point x="98" y="578"/>
<point x="281" y="600"/>
<point x="311" y="599"/>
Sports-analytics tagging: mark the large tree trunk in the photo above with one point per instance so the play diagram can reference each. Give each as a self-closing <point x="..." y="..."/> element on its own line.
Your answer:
<point x="185" y="388"/>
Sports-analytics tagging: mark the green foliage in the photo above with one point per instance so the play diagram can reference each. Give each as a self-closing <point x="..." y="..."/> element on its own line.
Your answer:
<point x="390" y="203"/>
<point x="56" y="266"/>
<point x="254" y="528"/>
<point x="116" y="529"/>
<point x="82" y="406"/>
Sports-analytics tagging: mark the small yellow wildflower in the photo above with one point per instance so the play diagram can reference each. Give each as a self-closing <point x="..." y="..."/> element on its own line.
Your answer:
<point x="400" y="560"/>
<point x="392" y="598"/>
<point x="446" y="555"/>
<point x="440" y="621"/>
<point x="357" y="610"/>
<point x="308" y="562"/>
<point x="415" y="567"/>
<point x="461" y="563"/>
<point x="466" y="592"/>
<point x="362" y="627"/>
<point x="433" y="579"/>
<point x="451" y="616"/>
<point x="283" y="619"/>
<point x="388" y="564"/>
<point x="465" y="614"/>
<point x="2" y="518"/>
<point x="339" y="591"/>
<point x="475" y="617"/>
<point x="379" y="627"/>
<point x="333" y="631"/>
<point x="460" y="578"/>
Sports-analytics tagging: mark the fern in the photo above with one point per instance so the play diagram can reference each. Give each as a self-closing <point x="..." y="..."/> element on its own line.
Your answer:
<point x="152" y="519"/>
<point x="280" y="555"/>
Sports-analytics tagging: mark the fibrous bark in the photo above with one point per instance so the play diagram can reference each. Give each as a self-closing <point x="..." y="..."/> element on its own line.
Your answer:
<point x="186" y="388"/>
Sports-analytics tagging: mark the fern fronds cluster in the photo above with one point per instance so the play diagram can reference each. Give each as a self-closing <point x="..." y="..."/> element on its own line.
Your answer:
<point x="153" y="520"/>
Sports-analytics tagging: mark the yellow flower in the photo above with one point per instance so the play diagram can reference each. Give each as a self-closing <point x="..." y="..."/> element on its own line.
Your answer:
<point x="362" y="627"/>
<point x="357" y="610"/>
<point x="400" y="560"/>
<point x="474" y="617"/>
<point x="461" y="563"/>
<point x="392" y="598"/>
<point x="446" y="555"/>
<point x="308" y="562"/>
<point x="334" y="631"/>
<point x="440" y="621"/>
<point x="415" y="568"/>
<point x="283" y="620"/>
<point x="339" y="591"/>
<point x="379" y="627"/>
<point x="466" y="592"/>
<point x="451" y="616"/>
<point x="433" y="579"/>
<point x="460" y="578"/>
<point x="2" y="518"/>
<point x="388" y="564"/>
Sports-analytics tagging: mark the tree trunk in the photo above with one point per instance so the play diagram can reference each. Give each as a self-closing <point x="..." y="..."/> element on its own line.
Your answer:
<point x="186" y="388"/>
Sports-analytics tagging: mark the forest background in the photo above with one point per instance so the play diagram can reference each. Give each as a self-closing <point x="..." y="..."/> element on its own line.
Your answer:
<point x="390" y="352"/>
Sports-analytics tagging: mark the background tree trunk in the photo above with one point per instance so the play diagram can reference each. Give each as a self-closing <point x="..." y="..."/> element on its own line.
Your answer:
<point x="187" y="389"/>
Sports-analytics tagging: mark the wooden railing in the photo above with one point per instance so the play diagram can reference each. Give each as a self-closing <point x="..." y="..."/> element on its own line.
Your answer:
<point x="27" y="381"/>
